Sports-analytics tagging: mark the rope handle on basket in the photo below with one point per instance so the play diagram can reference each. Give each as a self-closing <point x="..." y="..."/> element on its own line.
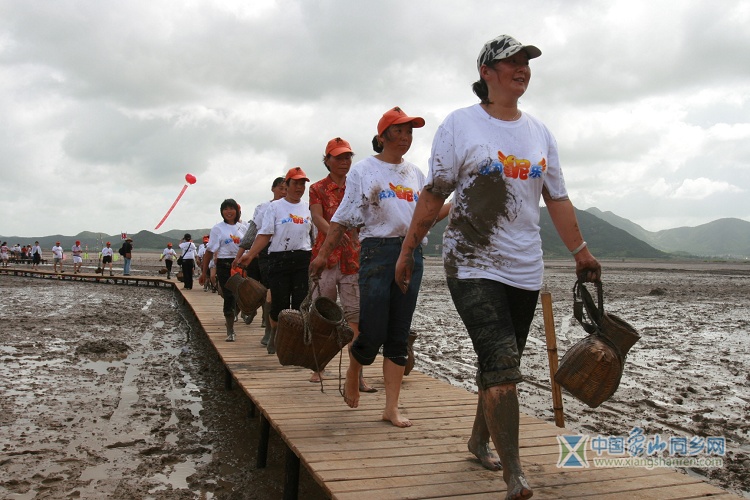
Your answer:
<point x="341" y="328"/>
<point x="595" y="312"/>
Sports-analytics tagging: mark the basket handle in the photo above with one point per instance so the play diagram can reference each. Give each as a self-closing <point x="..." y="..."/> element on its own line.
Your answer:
<point x="595" y="311"/>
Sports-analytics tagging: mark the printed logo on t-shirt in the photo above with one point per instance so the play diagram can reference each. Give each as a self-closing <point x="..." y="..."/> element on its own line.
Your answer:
<point x="232" y="239"/>
<point x="294" y="219"/>
<point x="515" y="168"/>
<point x="400" y="192"/>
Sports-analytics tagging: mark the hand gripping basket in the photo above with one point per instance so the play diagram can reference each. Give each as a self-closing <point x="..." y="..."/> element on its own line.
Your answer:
<point x="592" y="368"/>
<point x="312" y="336"/>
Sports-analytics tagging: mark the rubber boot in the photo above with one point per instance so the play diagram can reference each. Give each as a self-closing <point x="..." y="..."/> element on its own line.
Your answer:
<point x="264" y="314"/>
<point x="230" y="327"/>
<point x="272" y="341"/>
<point x="266" y="323"/>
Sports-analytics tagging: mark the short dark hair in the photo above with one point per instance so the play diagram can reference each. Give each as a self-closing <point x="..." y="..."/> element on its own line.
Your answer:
<point x="229" y="202"/>
<point x="277" y="181"/>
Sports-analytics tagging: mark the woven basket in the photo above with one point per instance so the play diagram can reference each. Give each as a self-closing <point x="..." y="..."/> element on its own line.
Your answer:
<point x="290" y="342"/>
<point x="590" y="370"/>
<point x="249" y="293"/>
<point x="163" y="270"/>
<point x="179" y="275"/>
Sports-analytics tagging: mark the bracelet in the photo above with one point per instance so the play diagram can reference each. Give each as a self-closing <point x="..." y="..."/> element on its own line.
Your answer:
<point x="579" y="248"/>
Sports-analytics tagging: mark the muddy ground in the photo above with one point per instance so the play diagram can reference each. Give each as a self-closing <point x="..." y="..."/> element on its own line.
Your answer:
<point x="111" y="391"/>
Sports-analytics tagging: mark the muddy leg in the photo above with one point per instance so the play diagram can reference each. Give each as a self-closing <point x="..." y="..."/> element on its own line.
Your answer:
<point x="500" y="404"/>
<point x="479" y="443"/>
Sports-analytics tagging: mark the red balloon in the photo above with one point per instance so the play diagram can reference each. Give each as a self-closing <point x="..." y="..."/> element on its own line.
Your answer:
<point x="190" y="178"/>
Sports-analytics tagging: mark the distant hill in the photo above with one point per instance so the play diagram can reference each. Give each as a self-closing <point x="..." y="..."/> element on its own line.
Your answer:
<point x="608" y="235"/>
<point x="728" y="238"/>
<point x="143" y="240"/>
<point x="605" y="240"/>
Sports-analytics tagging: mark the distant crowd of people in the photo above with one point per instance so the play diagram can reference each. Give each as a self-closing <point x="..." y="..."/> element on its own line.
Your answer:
<point x="361" y="229"/>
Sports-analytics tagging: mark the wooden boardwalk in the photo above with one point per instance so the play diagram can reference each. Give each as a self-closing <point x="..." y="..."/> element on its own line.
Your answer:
<point x="353" y="454"/>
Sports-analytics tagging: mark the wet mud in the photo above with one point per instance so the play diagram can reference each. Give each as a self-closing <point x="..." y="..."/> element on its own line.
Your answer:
<point x="113" y="392"/>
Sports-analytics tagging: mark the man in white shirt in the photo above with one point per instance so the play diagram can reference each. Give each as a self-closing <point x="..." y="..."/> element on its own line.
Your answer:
<point x="57" y="253"/>
<point x="77" y="257"/>
<point x="107" y="253"/>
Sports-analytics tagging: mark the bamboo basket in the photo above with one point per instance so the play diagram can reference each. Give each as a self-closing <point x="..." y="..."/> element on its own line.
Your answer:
<point x="591" y="370"/>
<point x="314" y="347"/>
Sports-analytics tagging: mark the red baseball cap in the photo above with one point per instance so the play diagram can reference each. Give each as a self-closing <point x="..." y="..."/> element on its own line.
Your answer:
<point x="397" y="116"/>
<point x="296" y="173"/>
<point x="338" y="146"/>
<point x="78" y="242"/>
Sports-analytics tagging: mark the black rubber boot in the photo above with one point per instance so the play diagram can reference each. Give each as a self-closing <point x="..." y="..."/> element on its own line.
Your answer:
<point x="230" y="327"/>
<point x="272" y="342"/>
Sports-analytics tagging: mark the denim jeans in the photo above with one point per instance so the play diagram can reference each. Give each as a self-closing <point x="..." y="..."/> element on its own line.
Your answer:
<point x="385" y="312"/>
<point x="126" y="266"/>
<point x="498" y="318"/>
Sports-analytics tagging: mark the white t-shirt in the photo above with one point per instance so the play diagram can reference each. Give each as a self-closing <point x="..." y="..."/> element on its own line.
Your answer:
<point x="188" y="250"/>
<point x="202" y="250"/>
<point x="260" y="210"/>
<point x="497" y="170"/>
<point x="168" y="253"/>
<point x="381" y="197"/>
<point x="57" y="251"/>
<point x="77" y="250"/>
<point x="36" y="249"/>
<point x="108" y="251"/>
<point x="289" y="225"/>
<point x="225" y="239"/>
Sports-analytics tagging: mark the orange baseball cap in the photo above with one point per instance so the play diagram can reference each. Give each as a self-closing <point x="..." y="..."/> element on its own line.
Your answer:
<point x="169" y="244"/>
<point x="108" y="243"/>
<point x="338" y="146"/>
<point x="78" y="242"/>
<point x="397" y="116"/>
<point x="296" y="173"/>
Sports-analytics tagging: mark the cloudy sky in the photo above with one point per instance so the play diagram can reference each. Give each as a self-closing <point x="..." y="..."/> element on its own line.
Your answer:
<point x="107" y="105"/>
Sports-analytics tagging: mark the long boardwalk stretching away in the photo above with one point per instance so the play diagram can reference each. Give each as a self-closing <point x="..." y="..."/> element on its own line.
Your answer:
<point x="353" y="454"/>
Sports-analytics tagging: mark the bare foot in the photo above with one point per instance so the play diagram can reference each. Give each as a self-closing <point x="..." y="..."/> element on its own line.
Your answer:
<point x="489" y="459"/>
<point x="351" y="390"/>
<point x="316" y="377"/>
<point x="396" y="418"/>
<point x="364" y="386"/>
<point x="518" y="488"/>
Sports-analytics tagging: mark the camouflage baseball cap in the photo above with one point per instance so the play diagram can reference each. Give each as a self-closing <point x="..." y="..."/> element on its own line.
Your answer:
<point x="502" y="47"/>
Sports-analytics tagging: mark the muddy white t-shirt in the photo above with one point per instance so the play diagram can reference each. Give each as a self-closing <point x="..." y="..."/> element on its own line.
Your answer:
<point x="497" y="170"/>
<point x="289" y="225"/>
<point x="224" y="239"/>
<point x="57" y="251"/>
<point x="380" y="198"/>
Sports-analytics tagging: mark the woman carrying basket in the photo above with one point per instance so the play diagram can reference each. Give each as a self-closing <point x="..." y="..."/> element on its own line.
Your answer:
<point x="381" y="193"/>
<point x="499" y="162"/>
<point x="287" y="225"/>
<point x="224" y="242"/>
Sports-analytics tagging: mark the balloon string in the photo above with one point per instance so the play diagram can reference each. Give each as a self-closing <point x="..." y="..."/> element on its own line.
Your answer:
<point x="171" y="208"/>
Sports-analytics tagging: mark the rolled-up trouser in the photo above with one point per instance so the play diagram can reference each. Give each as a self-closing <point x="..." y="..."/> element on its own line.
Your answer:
<point x="223" y="272"/>
<point x="498" y="318"/>
<point x="288" y="279"/>
<point x="385" y="312"/>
